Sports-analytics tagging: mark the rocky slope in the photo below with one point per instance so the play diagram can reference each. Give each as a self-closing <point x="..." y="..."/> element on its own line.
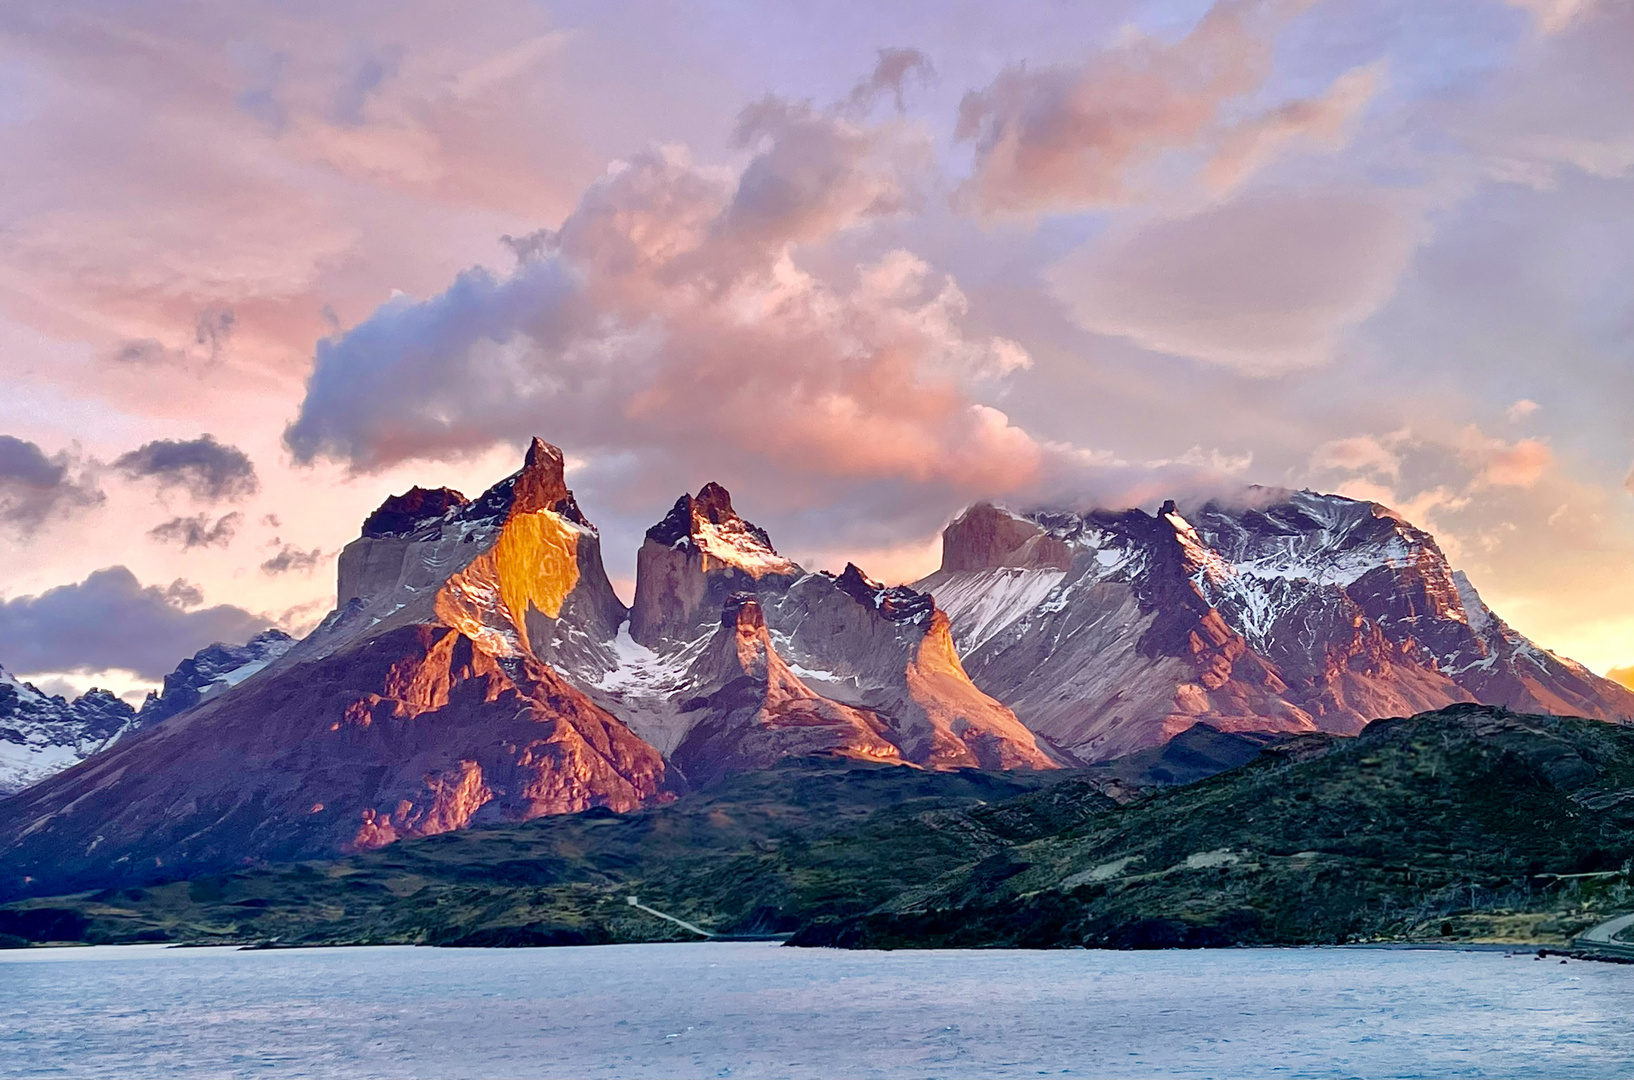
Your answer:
<point x="863" y="649"/>
<point x="423" y="704"/>
<point x="754" y="711"/>
<point x="1111" y="631"/>
<point x="42" y="734"/>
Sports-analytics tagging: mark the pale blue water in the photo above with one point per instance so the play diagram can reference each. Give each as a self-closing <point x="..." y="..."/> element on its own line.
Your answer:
<point x="759" y="1010"/>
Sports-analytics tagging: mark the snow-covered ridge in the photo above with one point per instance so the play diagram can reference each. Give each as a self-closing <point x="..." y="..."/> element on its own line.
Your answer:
<point x="41" y="733"/>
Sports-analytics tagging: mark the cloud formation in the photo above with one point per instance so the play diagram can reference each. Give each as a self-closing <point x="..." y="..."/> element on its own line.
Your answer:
<point x="35" y="487"/>
<point x="1263" y="284"/>
<point x="207" y="470"/>
<point x="290" y="558"/>
<point x="1066" y="137"/>
<point x="671" y="322"/>
<point x="110" y="620"/>
<point x="198" y="531"/>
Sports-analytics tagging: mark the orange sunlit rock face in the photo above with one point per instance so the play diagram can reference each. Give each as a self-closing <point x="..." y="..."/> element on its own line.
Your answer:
<point x="970" y="729"/>
<point x="534" y="563"/>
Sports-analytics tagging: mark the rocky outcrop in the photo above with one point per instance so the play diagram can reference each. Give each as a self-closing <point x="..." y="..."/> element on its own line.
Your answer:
<point x="410" y="732"/>
<point x="1302" y="612"/>
<point x="433" y="697"/>
<point x="891" y="648"/>
<point x="692" y="561"/>
<point x="752" y="711"/>
<point x="848" y="639"/>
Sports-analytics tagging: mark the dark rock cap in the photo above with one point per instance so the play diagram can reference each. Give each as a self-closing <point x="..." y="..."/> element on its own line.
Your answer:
<point x="712" y="504"/>
<point x="402" y="514"/>
<point x="897" y="603"/>
<point x="742" y="609"/>
<point x="540" y="485"/>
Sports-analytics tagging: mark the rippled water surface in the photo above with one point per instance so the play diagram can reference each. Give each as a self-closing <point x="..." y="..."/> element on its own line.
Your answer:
<point x="759" y="1010"/>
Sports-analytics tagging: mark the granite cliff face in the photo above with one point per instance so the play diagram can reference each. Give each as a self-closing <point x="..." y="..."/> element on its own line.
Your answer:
<point x="1111" y="631"/>
<point x="695" y="559"/>
<point x="859" y="648"/>
<point x="753" y="711"/>
<point x="425" y="702"/>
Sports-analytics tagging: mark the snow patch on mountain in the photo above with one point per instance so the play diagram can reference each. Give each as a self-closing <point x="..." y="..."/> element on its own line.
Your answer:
<point x="41" y="734"/>
<point x="731" y="543"/>
<point x="982" y="604"/>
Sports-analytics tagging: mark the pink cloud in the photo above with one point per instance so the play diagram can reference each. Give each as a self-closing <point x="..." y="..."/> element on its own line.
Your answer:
<point x="1264" y="284"/>
<point x="1506" y="464"/>
<point x="1074" y="136"/>
<point x="1360" y="454"/>
<point x="670" y="317"/>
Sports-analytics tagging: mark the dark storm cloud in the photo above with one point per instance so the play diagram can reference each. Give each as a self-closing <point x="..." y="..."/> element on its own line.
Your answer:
<point x="36" y="487"/>
<point x="110" y="620"/>
<point x="210" y="471"/>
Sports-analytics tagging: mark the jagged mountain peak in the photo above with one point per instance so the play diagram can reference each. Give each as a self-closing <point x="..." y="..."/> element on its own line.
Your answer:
<point x="897" y="603"/>
<point x="518" y="570"/>
<point x="707" y="524"/>
<point x="1280" y="610"/>
<point x="691" y="561"/>
<point x="542" y="483"/>
<point x="753" y="710"/>
<point x="401" y="515"/>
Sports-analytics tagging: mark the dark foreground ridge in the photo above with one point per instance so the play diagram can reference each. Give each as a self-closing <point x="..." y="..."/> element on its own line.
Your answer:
<point x="1467" y="824"/>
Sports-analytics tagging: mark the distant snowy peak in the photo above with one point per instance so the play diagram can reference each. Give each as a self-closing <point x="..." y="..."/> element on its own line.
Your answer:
<point x="1111" y="630"/>
<point x="42" y="734"/>
<point x="212" y="670"/>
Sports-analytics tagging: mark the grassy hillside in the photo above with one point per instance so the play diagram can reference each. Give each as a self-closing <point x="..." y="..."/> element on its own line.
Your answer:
<point x="1470" y="823"/>
<point x="761" y="853"/>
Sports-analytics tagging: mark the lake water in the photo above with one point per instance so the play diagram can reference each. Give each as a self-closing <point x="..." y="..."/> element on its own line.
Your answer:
<point x="758" y="1010"/>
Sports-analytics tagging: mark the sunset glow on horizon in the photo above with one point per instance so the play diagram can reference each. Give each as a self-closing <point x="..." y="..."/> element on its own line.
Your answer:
<point x="262" y="266"/>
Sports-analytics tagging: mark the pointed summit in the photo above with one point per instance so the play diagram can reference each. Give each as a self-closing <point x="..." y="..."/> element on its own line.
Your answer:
<point x="542" y="484"/>
<point x="891" y="646"/>
<point x="755" y="711"/>
<point x="692" y="560"/>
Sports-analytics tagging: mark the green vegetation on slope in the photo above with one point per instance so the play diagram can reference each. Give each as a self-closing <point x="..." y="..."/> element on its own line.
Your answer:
<point x="760" y="853"/>
<point x="1467" y="824"/>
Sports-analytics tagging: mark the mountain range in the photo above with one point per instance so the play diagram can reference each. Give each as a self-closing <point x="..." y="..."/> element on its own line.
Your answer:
<point x="479" y="668"/>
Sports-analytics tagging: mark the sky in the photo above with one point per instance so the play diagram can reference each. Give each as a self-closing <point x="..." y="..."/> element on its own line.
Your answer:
<point x="264" y="264"/>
